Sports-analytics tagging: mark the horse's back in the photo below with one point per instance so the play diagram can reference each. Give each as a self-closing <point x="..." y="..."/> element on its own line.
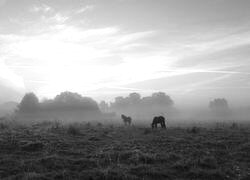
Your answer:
<point x="158" y="119"/>
<point x="161" y="118"/>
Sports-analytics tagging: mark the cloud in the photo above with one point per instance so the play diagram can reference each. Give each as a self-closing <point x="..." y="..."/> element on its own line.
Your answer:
<point x="60" y="58"/>
<point x="197" y="85"/>
<point x="84" y="52"/>
<point x="2" y="2"/>
<point x="57" y="18"/>
<point x="85" y="9"/>
<point x="131" y="37"/>
<point x="108" y="61"/>
<point x="43" y="8"/>
<point x="74" y="34"/>
<point x="9" y="78"/>
<point x="222" y="43"/>
<point x="181" y="71"/>
<point x="60" y="53"/>
<point x="214" y="42"/>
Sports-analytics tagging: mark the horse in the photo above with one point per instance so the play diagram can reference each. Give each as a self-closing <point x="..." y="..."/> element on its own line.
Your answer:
<point x="126" y="119"/>
<point x="158" y="120"/>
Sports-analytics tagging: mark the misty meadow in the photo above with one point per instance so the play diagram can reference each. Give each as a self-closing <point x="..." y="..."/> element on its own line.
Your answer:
<point x="74" y="137"/>
<point x="124" y="89"/>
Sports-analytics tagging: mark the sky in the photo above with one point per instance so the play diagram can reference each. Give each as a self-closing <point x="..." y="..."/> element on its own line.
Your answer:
<point x="194" y="50"/>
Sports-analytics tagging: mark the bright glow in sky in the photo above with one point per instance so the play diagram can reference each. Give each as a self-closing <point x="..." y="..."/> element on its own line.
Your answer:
<point x="102" y="49"/>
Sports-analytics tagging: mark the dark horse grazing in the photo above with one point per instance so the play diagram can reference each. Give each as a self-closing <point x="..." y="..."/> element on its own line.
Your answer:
<point x="126" y="119"/>
<point x="158" y="120"/>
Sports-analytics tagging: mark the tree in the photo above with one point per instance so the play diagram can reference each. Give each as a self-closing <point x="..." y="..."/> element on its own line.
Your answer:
<point x="104" y="107"/>
<point x="70" y="101"/>
<point x="134" y="98"/>
<point x="219" y="106"/>
<point x="29" y="103"/>
<point x="160" y="98"/>
<point x="139" y="106"/>
<point x="120" y="102"/>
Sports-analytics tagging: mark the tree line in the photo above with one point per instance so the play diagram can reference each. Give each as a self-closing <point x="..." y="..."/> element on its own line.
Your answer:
<point x="63" y="102"/>
<point x="158" y="102"/>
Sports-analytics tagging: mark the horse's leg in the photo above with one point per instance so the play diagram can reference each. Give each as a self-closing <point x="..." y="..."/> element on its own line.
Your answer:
<point x="153" y="125"/>
<point x="164" y="125"/>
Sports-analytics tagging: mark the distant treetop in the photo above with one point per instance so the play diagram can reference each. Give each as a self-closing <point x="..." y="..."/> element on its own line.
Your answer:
<point x="64" y="101"/>
<point x="135" y="99"/>
<point x="29" y="103"/>
<point x="218" y="103"/>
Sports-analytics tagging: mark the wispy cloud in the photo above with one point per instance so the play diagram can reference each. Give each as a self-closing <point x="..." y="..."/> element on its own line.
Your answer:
<point x="131" y="37"/>
<point x="197" y="85"/>
<point x="212" y="42"/>
<point x="222" y="43"/>
<point x="57" y="18"/>
<point x="9" y="78"/>
<point x="181" y="71"/>
<point x="2" y="2"/>
<point x="85" y="9"/>
<point x="74" y="50"/>
<point x="117" y="47"/>
<point x="42" y="8"/>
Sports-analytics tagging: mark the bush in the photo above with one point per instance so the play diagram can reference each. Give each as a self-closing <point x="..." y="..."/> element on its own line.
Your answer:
<point x="3" y="126"/>
<point x="99" y="125"/>
<point x="32" y="146"/>
<point x="29" y="103"/>
<point x="88" y="124"/>
<point x="147" y="131"/>
<point x="56" y="125"/>
<point x="194" y="130"/>
<point x="234" y="126"/>
<point x="73" y="130"/>
<point x="208" y="162"/>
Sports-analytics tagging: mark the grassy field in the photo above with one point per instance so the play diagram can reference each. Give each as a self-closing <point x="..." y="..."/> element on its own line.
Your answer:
<point x="50" y="150"/>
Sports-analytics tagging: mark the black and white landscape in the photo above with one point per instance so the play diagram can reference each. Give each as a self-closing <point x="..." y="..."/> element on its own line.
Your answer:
<point x="124" y="89"/>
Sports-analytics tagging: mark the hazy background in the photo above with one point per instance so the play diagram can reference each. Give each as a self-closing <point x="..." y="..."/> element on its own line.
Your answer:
<point x="194" y="51"/>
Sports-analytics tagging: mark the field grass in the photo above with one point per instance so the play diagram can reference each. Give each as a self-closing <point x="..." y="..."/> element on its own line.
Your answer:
<point x="50" y="150"/>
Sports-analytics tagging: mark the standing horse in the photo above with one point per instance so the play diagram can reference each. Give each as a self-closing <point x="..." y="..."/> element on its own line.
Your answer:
<point x="126" y="119"/>
<point x="158" y="120"/>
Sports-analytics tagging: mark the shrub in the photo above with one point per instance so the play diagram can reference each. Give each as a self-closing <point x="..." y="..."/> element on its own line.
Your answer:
<point x="234" y="126"/>
<point x="3" y="126"/>
<point x="88" y="124"/>
<point x="147" y="131"/>
<point x="29" y="103"/>
<point x="73" y="130"/>
<point x="56" y="125"/>
<point x="194" y="130"/>
<point x="208" y="162"/>
<point x="99" y="124"/>
<point x="32" y="146"/>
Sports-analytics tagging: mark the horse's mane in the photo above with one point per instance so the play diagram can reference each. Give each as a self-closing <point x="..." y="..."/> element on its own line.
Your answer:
<point x="123" y="116"/>
<point x="126" y="118"/>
